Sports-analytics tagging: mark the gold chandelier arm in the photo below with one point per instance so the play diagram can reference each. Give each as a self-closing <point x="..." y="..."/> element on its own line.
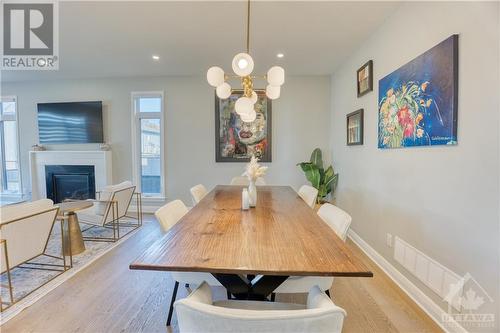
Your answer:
<point x="232" y="76"/>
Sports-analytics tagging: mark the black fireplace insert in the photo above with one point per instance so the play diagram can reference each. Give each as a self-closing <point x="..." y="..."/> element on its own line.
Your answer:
<point x="70" y="182"/>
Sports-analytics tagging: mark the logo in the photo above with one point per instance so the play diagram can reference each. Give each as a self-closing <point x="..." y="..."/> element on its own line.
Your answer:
<point x="30" y="35"/>
<point x="465" y="301"/>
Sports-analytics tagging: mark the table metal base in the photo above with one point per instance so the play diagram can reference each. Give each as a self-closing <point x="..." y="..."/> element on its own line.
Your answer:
<point x="73" y="240"/>
<point x="250" y="287"/>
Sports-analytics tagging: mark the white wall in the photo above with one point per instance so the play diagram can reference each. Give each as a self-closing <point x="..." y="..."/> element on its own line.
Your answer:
<point x="300" y="123"/>
<point x="442" y="200"/>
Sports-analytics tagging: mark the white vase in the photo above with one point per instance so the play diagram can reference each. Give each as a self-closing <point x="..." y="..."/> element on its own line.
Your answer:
<point x="252" y="194"/>
<point x="245" y="204"/>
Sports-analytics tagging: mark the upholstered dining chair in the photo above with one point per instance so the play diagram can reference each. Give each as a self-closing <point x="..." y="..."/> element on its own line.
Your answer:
<point x="197" y="193"/>
<point x="243" y="180"/>
<point x="199" y="313"/>
<point x="308" y="194"/>
<point x="336" y="218"/>
<point x="339" y="221"/>
<point x="168" y="216"/>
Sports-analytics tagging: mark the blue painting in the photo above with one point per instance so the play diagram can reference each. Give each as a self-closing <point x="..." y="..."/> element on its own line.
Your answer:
<point x="418" y="102"/>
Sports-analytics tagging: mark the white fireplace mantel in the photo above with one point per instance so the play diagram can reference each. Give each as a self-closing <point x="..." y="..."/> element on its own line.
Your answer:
<point x="101" y="160"/>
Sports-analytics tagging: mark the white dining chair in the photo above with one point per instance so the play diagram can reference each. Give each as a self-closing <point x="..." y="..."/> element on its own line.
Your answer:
<point x="168" y="216"/>
<point x="308" y="194"/>
<point x="336" y="218"/>
<point x="199" y="313"/>
<point x="197" y="193"/>
<point x="339" y="221"/>
<point x="243" y="180"/>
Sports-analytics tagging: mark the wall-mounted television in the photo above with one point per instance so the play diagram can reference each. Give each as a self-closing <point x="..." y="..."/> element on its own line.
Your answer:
<point x="70" y="122"/>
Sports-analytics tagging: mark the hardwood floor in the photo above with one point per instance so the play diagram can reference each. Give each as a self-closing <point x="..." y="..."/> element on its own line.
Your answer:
<point x="108" y="297"/>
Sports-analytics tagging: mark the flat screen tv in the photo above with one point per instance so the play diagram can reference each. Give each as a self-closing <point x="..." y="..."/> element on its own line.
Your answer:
<point x="72" y="122"/>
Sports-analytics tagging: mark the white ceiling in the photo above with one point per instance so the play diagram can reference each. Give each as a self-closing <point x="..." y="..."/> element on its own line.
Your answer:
<point x="114" y="39"/>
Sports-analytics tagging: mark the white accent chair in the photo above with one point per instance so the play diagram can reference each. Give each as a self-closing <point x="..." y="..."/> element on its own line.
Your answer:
<point x="112" y="204"/>
<point x="339" y="221"/>
<point x="243" y="180"/>
<point x="168" y="216"/>
<point x="25" y="230"/>
<point x="197" y="193"/>
<point x="308" y="194"/>
<point x="198" y="313"/>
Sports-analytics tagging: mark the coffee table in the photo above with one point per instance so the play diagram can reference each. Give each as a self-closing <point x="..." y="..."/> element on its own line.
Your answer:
<point x="73" y="239"/>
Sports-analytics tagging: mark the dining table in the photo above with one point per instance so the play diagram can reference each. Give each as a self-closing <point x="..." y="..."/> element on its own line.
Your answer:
<point x="251" y="252"/>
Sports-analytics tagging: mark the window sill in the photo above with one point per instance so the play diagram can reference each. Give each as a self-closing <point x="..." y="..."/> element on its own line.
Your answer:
<point x="153" y="199"/>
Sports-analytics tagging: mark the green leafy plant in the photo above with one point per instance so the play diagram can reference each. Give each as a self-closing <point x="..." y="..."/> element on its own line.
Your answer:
<point x="325" y="181"/>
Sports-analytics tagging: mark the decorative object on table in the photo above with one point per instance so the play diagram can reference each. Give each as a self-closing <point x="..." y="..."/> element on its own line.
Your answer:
<point x="355" y="128"/>
<point x="242" y="66"/>
<point x="245" y="200"/>
<point x="236" y="140"/>
<point x="364" y="77"/>
<point x="418" y="102"/>
<point x="37" y="147"/>
<point x="105" y="146"/>
<point x="325" y="181"/>
<point x="254" y="171"/>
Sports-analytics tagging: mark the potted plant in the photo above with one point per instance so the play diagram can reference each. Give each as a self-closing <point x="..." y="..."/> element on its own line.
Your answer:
<point x="325" y="181"/>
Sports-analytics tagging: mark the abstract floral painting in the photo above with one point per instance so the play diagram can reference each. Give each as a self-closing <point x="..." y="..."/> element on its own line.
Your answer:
<point x="418" y="102"/>
<point x="237" y="141"/>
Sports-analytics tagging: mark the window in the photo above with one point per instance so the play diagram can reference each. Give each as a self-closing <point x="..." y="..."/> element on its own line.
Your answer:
<point x="148" y="143"/>
<point x="10" y="176"/>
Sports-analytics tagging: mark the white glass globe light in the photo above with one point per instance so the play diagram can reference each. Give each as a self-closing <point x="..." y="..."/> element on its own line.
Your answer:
<point x="276" y="76"/>
<point x="254" y="97"/>
<point x="215" y="76"/>
<point x="223" y="91"/>
<point x="242" y="64"/>
<point x="248" y="118"/>
<point x="243" y="105"/>
<point x="273" y="92"/>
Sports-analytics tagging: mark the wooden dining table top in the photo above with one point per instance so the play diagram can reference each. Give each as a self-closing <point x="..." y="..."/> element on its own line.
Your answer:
<point x="281" y="236"/>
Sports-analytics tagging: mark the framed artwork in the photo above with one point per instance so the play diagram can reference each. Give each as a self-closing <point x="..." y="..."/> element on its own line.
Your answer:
<point x="355" y="128"/>
<point x="237" y="141"/>
<point x="364" y="78"/>
<point x="417" y="103"/>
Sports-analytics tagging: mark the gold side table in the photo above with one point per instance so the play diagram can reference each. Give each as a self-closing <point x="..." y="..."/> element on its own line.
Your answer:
<point x="72" y="231"/>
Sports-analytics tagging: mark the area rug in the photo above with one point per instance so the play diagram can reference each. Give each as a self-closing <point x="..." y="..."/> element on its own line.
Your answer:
<point x="25" y="280"/>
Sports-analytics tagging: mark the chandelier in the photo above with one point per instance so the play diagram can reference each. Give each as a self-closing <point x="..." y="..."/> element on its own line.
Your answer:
<point x="243" y="66"/>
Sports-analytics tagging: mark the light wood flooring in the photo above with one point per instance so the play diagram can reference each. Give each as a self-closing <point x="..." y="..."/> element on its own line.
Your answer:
<point x="108" y="297"/>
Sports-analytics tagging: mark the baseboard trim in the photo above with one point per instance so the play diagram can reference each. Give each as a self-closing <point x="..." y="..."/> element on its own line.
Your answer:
<point x="417" y="295"/>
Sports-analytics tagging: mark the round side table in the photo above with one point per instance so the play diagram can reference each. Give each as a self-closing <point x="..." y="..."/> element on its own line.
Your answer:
<point x="72" y="231"/>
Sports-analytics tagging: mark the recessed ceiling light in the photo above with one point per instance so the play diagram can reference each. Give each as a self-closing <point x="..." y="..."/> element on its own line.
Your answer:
<point x="156" y="57"/>
<point x="280" y="55"/>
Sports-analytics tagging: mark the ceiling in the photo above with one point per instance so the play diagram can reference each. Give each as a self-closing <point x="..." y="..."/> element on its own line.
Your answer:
<point x="115" y="39"/>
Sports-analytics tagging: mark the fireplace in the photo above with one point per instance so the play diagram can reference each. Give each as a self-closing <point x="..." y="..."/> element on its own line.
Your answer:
<point x="70" y="182"/>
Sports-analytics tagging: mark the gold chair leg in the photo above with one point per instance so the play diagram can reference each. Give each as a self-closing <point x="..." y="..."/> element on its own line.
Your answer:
<point x="9" y="279"/>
